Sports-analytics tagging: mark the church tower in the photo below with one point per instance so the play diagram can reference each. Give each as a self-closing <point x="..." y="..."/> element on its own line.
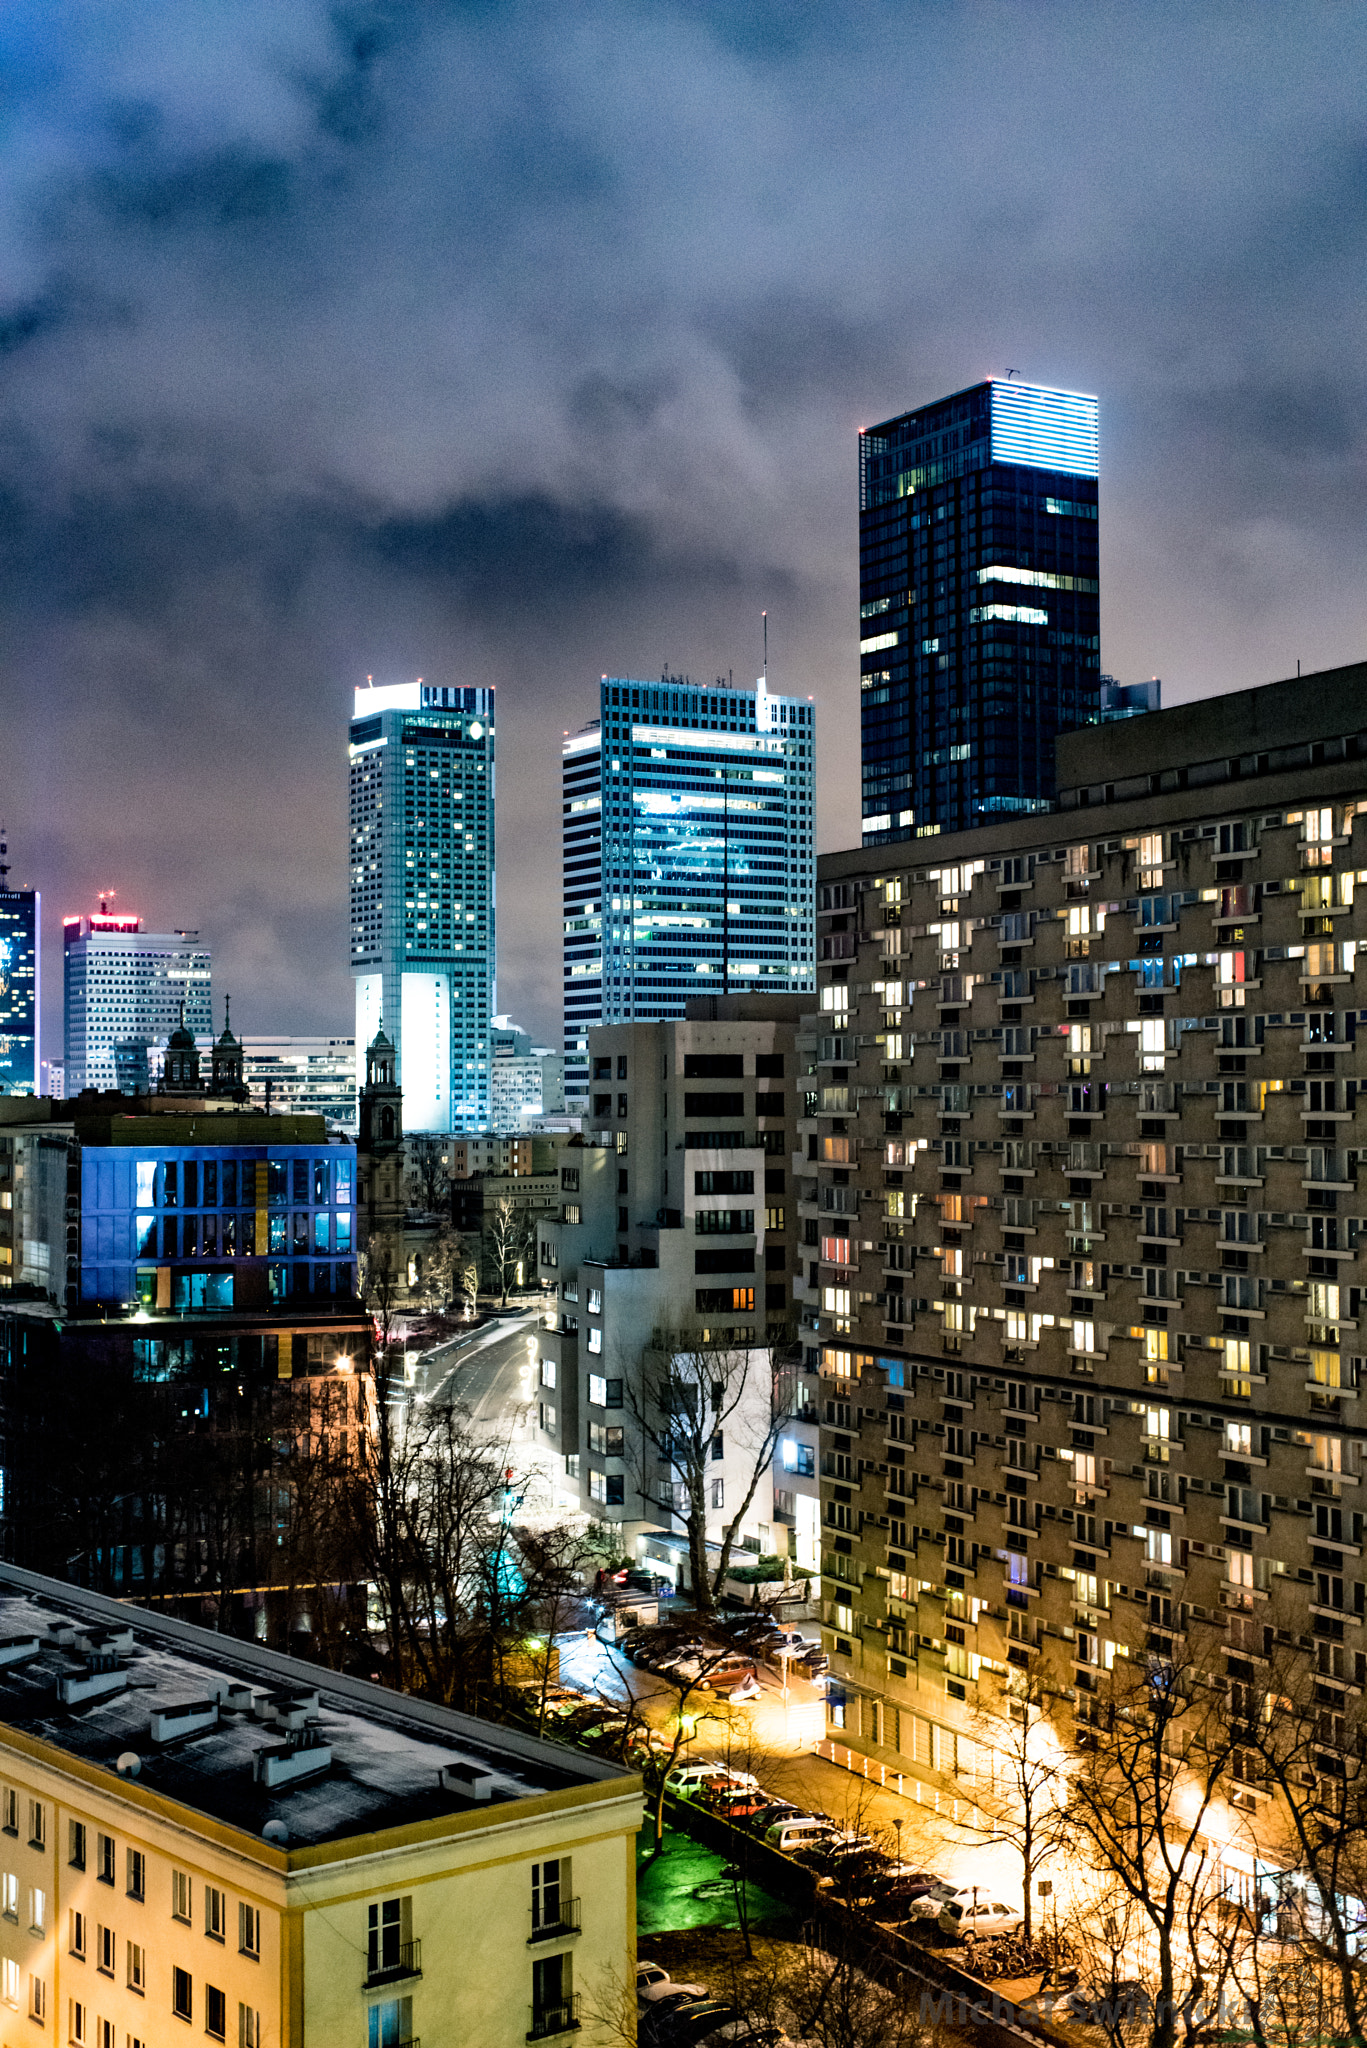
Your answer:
<point x="180" y="1069"/>
<point x="228" y="1061"/>
<point x="379" y="1143"/>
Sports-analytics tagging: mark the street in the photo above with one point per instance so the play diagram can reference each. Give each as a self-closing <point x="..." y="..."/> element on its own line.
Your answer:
<point x="493" y="1375"/>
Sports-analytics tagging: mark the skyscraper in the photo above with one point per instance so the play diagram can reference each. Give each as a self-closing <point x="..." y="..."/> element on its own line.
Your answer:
<point x="687" y="853"/>
<point x="422" y="892"/>
<point x="20" y="958"/>
<point x="979" y="617"/>
<point x="124" y="988"/>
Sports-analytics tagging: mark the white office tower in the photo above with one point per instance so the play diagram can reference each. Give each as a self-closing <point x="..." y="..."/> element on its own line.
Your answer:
<point x="687" y="826"/>
<point x="124" y="987"/>
<point x="422" y="892"/>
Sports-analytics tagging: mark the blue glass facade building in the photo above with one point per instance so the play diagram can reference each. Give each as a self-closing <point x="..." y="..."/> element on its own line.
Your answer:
<point x="195" y="1227"/>
<point x="688" y="848"/>
<point x="979" y="605"/>
<point x="422" y="892"/>
<point x="20" y="960"/>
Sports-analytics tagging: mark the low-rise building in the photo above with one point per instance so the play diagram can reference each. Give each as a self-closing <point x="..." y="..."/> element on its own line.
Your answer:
<point x="197" y="1834"/>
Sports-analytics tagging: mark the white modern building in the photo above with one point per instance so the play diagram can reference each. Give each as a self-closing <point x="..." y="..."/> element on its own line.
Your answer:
<point x="678" y="1231"/>
<point x="317" y="1075"/>
<point x="123" y="986"/>
<point x="526" y="1081"/>
<point x="687" y="823"/>
<point x="422" y="892"/>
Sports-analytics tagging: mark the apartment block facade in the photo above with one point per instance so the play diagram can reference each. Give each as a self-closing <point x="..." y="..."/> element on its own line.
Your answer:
<point x="676" y="1219"/>
<point x="1087" y="1159"/>
<point x="201" y="1838"/>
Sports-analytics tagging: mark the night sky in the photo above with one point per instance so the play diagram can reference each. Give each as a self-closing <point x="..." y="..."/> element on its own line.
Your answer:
<point x="517" y="344"/>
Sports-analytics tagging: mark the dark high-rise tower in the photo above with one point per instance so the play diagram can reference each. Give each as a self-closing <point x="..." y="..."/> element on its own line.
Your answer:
<point x="979" y="630"/>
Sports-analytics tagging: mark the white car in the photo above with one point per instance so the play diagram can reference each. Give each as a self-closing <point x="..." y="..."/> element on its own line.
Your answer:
<point x="971" y="1914"/>
<point x="655" y="1994"/>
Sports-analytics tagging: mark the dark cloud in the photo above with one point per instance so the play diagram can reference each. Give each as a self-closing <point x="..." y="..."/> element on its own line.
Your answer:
<point x="517" y="344"/>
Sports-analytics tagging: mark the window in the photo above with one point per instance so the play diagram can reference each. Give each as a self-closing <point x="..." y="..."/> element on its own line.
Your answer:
<point x="390" y="1925"/>
<point x="248" y="1931"/>
<point x="104" y="1858"/>
<point x="182" y="1994"/>
<point x="9" y="1895"/>
<point x="37" y="1824"/>
<point x="137" y="1968"/>
<point x="551" y="2009"/>
<point x="76" y="2026"/>
<point x="9" y="1811"/>
<point x="215" y="2013"/>
<point x="391" y="2022"/>
<point x="215" y="1913"/>
<point x="37" y="1999"/>
<point x="718" y="1493"/>
<point x="550" y="1889"/>
<point x="137" y="1874"/>
<point x="76" y="1934"/>
<point x="75" y="1844"/>
<point x="248" y="2027"/>
<point x="180" y="1895"/>
<point x="106" y="1948"/>
<point x="595" y="1339"/>
<point x="106" y="2034"/>
<point x="9" y="1983"/>
<point x="37" y="1909"/>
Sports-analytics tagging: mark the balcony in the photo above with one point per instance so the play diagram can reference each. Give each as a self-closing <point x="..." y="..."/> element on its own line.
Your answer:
<point x="550" y="2020"/>
<point x="555" y="1926"/>
<point x="395" y="1963"/>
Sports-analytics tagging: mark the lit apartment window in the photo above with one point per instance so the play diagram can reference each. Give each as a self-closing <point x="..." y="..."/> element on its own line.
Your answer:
<point x="9" y="1895"/>
<point x="37" y="1909"/>
<point x="9" y="1983"/>
<point x="391" y="2022"/>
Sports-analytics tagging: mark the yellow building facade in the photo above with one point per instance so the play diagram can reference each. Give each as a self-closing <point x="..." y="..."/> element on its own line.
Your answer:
<point x="199" y="1838"/>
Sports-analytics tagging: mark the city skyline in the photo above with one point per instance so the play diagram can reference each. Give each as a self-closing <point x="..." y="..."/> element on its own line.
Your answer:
<point x="298" y="393"/>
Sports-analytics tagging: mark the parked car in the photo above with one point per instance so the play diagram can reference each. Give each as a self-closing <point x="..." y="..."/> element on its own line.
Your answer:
<point x="666" y="1996"/>
<point x="655" y="2028"/>
<point x="689" y="2025"/>
<point x="972" y="1914"/>
<point x="685" y="1778"/>
<point x="928" y="1905"/>
<point x="799" y="1832"/>
<point x="649" y="1973"/>
<point x="813" y="1663"/>
<point x="732" y="1800"/>
<point x="777" y="1809"/>
<point x="725" y="1677"/>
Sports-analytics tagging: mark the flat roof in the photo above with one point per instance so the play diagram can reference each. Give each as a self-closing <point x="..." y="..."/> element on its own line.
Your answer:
<point x="387" y="1751"/>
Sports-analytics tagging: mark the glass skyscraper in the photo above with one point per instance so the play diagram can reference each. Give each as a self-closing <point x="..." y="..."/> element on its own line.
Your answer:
<point x="979" y="616"/>
<point x="125" y="990"/>
<point x="20" y="914"/>
<point x="422" y="892"/>
<point x="687" y="853"/>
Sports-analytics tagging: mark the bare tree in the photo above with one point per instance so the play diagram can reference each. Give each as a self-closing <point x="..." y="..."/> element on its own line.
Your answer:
<point x="1024" y="1803"/>
<point x="1156" y="1749"/>
<point x="698" y="1401"/>
<point x="429" y="1176"/>
<point x="468" y="1278"/>
<point x="510" y="1238"/>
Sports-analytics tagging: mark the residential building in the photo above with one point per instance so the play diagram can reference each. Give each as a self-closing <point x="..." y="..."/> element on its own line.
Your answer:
<point x="20" y="984"/>
<point x="112" y="1205"/>
<point x="1090" y="1106"/>
<point x="526" y="1081"/>
<point x="676" y="1226"/>
<point x="422" y="892"/>
<point x="979" y="613"/>
<point x="239" y="1845"/>
<point x="126" y="987"/>
<point x="1129" y="700"/>
<point x="687" y="853"/>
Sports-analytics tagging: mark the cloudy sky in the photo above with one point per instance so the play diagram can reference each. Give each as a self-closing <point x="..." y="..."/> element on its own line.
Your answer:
<point x="514" y="344"/>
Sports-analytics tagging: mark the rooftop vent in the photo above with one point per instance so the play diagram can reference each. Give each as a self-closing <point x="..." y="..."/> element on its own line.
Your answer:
<point x="18" y="1649"/>
<point x="469" y="1781"/>
<point x="304" y="1755"/>
<point x="191" y="1717"/>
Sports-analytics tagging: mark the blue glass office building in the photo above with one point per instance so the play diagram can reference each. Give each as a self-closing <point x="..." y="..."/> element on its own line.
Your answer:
<point x="197" y="1227"/>
<point x="687" y="820"/>
<point x="979" y="614"/>
<point x="421" y="822"/>
<point x="20" y="914"/>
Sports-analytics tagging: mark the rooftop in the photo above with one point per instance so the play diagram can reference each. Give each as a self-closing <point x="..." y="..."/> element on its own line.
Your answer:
<point x="260" y="1743"/>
